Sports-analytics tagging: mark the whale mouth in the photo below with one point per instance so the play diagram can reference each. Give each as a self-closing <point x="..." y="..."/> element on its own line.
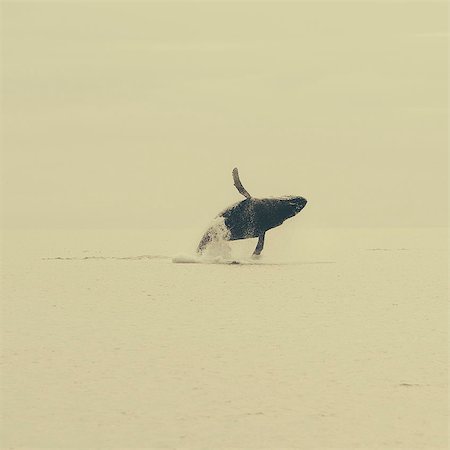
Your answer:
<point x="298" y="203"/>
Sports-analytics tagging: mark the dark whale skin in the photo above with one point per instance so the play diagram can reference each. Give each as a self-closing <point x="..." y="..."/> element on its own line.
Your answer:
<point x="252" y="217"/>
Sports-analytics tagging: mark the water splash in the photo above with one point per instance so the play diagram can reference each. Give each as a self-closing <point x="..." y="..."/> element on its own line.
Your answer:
<point x="215" y="241"/>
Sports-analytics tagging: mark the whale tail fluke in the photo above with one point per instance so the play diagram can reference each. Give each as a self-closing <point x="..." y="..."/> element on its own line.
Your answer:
<point x="238" y="184"/>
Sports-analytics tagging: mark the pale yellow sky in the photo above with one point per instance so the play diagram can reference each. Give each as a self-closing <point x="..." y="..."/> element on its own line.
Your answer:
<point x="133" y="114"/>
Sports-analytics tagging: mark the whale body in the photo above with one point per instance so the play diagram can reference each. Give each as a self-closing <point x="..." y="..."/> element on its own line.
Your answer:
<point x="252" y="217"/>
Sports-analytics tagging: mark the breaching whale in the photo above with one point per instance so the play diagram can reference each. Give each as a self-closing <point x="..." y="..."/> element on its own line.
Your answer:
<point x="252" y="217"/>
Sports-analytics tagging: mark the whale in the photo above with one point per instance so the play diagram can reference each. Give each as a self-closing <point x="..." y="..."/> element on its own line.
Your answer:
<point x="251" y="218"/>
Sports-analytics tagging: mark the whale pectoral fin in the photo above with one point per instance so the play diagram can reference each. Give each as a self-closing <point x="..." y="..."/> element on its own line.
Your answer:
<point x="238" y="184"/>
<point x="259" y="245"/>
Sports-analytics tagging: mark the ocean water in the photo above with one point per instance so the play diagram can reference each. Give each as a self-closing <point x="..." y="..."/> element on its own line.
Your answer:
<point x="334" y="338"/>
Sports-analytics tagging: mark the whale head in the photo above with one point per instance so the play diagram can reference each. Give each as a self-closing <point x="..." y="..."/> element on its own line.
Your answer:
<point x="271" y="212"/>
<point x="290" y="205"/>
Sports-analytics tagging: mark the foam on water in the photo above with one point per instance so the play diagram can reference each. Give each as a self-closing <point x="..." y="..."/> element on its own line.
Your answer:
<point x="187" y="259"/>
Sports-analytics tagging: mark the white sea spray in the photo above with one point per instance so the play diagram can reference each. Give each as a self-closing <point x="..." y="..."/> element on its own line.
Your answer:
<point x="218" y="241"/>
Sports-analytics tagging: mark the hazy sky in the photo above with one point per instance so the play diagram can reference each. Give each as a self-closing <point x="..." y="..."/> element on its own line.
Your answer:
<point x="133" y="114"/>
